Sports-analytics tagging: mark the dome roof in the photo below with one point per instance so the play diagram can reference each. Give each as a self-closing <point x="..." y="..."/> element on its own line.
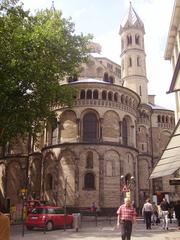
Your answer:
<point x="132" y="20"/>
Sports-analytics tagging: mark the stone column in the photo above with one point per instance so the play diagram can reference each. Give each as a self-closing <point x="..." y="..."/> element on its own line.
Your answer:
<point x="100" y="129"/>
<point x="78" y="122"/>
<point x="120" y="132"/>
<point x="101" y="181"/>
<point x="77" y="182"/>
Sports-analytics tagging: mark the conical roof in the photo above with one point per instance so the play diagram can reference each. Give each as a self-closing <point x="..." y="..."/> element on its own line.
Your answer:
<point x="131" y="20"/>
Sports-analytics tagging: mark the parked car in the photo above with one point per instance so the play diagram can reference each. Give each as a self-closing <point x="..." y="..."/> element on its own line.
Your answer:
<point x="35" y="203"/>
<point x="48" y="217"/>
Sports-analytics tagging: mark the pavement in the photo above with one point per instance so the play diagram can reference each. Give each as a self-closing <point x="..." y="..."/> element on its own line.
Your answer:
<point x="102" y="230"/>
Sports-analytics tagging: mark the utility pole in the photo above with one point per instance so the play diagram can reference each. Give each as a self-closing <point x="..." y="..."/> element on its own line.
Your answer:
<point x="65" y="195"/>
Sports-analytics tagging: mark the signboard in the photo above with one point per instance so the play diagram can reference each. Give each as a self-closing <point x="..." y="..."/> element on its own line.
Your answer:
<point x="174" y="181"/>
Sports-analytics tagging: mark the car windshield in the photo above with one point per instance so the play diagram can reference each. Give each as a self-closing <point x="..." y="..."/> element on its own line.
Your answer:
<point x="39" y="211"/>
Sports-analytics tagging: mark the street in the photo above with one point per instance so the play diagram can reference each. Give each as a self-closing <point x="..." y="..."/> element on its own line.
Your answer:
<point x="105" y="229"/>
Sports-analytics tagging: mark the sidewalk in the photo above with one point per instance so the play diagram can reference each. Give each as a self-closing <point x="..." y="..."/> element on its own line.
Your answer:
<point x="103" y="231"/>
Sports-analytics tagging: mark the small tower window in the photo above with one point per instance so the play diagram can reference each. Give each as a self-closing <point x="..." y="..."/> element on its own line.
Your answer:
<point x="137" y="39"/>
<point x="129" y="40"/>
<point x="138" y="61"/>
<point x="130" y="62"/>
<point x="140" y="91"/>
<point x="106" y="77"/>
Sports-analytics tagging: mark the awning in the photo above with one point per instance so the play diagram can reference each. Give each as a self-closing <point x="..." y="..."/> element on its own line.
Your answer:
<point x="170" y="159"/>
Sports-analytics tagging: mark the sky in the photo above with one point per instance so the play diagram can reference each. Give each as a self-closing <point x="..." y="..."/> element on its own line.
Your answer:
<point x="102" y="18"/>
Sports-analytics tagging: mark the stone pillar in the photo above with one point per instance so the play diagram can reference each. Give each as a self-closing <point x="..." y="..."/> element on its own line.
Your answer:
<point x="120" y="131"/>
<point x="77" y="182"/>
<point x="100" y="129"/>
<point x="78" y="123"/>
<point x="101" y="181"/>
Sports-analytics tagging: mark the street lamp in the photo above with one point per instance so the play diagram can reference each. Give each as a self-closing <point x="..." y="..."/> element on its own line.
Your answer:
<point x="127" y="184"/>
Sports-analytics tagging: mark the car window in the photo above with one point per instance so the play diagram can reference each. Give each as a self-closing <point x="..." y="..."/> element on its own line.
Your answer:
<point x="39" y="211"/>
<point x="51" y="211"/>
<point x="59" y="211"/>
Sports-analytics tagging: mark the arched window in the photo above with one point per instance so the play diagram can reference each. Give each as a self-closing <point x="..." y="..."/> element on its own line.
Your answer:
<point x="82" y="94"/>
<point x="163" y="119"/>
<point x="106" y="77"/>
<point x="129" y="40"/>
<point x="89" y="160"/>
<point x="130" y="62"/>
<point x="159" y="118"/>
<point x="137" y="39"/>
<point x="110" y="96"/>
<point x="95" y="94"/>
<point x="89" y="94"/>
<point x="49" y="182"/>
<point x="167" y="119"/>
<point x="104" y="95"/>
<point x="90" y="127"/>
<point x="111" y="79"/>
<point x="89" y="181"/>
<point x="115" y="97"/>
<point x="124" y="132"/>
<point x="122" y="98"/>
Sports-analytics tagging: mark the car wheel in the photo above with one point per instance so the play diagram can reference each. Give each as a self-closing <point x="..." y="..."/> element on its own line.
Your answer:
<point x="49" y="226"/>
<point x="29" y="227"/>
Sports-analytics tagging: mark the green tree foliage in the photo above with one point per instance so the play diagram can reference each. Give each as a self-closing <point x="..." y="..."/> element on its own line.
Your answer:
<point x="37" y="51"/>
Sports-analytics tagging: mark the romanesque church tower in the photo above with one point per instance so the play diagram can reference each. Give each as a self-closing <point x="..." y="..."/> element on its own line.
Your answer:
<point x="133" y="63"/>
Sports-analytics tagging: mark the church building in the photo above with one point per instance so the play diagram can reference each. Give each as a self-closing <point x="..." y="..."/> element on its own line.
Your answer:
<point x="106" y="145"/>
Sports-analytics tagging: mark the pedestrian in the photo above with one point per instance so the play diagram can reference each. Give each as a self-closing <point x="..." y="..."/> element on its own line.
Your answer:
<point x="4" y="227"/>
<point x="93" y="207"/>
<point x="177" y="212"/>
<point x="165" y="207"/>
<point x="126" y="216"/>
<point x="154" y="216"/>
<point x="147" y="212"/>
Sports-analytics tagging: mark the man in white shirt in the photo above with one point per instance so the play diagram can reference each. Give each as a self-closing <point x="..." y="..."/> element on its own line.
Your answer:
<point x="147" y="212"/>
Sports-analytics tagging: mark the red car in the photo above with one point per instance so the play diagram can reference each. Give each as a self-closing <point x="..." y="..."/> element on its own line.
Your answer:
<point x="48" y="217"/>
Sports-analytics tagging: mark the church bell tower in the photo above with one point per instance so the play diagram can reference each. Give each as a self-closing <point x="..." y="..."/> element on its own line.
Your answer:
<point x="133" y="62"/>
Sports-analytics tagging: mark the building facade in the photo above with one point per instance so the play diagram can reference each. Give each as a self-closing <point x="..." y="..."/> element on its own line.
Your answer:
<point x="170" y="160"/>
<point x="112" y="136"/>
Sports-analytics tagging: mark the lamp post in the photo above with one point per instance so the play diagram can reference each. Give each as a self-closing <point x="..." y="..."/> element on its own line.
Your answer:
<point x="23" y="195"/>
<point x="127" y="184"/>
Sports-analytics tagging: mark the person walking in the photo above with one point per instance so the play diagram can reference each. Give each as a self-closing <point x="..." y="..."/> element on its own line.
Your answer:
<point x="177" y="212"/>
<point x="154" y="216"/>
<point x="147" y="212"/>
<point x="164" y="206"/>
<point x="4" y="227"/>
<point x="126" y="216"/>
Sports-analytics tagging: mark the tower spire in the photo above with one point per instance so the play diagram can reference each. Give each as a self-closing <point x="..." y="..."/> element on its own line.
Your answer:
<point x="52" y="6"/>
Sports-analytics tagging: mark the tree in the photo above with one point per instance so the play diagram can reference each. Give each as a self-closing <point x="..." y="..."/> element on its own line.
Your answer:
<point x="37" y="51"/>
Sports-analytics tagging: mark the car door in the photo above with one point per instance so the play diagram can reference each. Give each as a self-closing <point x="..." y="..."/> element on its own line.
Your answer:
<point x="60" y="216"/>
